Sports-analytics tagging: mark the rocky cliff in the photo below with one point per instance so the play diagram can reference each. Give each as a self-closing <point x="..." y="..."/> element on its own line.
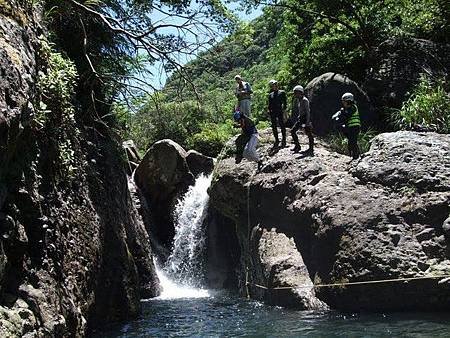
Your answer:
<point x="305" y="221"/>
<point x="74" y="253"/>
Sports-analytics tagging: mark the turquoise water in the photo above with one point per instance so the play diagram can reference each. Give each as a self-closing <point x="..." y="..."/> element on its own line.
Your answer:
<point x="228" y="316"/>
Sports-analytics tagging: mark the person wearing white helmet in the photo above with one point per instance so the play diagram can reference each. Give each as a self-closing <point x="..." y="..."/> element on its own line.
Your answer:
<point x="243" y="93"/>
<point x="276" y="107"/>
<point x="302" y="116"/>
<point x="349" y="119"/>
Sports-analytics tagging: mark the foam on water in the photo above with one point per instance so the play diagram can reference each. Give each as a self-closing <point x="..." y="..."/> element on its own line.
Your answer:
<point x="173" y="290"/>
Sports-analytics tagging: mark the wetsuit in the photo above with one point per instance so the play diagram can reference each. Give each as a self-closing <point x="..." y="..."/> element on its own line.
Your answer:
<point x="301" y="112"/>
<point x="277" y="105"/>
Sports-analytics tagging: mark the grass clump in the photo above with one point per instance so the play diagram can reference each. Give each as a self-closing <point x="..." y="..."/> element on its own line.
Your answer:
<point x="428" y="108"/>
<point x="339" y="143"/>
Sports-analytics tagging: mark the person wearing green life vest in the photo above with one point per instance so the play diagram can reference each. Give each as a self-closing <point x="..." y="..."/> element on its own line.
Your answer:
<point x="349" y="115"/>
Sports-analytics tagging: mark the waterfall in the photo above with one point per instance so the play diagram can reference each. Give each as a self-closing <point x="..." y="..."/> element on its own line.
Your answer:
<point x="182" y="274"/>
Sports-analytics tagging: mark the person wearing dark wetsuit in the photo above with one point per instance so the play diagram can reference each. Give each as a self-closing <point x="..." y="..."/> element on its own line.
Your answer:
<point x="302" y="117"/>
<point x="277" y="105"/>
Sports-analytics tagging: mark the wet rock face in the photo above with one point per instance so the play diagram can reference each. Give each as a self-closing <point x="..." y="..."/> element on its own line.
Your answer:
<point x="280" y="268"/>
<point x="222" y="252"/>
<point x="73" y="252"/>
<point x="324" y="94"/>
<point x="17" y="72"/>
<point x="377" y="218"/>
<point x="163" y="176"/>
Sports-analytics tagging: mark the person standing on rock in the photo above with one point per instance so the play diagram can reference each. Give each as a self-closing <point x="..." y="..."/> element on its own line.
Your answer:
<point x="277" y="105"/>
<point x="302" y="117"/>
<point x="243" y="94"/>
<point x="350" y="121"/>
<point x="247" y="142"/>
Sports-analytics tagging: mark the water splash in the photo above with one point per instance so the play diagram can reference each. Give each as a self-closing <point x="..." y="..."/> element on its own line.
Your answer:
<point x="185" y="261"/>
<point x="182" y="276"/>
<point x="174" y="290"/>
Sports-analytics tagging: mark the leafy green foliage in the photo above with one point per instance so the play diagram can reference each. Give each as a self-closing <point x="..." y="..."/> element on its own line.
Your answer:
<point x="56" y="86"/>
<point x="56" y="113"/>
<point x="292" y="42"/>
<point x="212" y="137"/>
<point x="428" y="107"/>
<point x="157" y="120"/>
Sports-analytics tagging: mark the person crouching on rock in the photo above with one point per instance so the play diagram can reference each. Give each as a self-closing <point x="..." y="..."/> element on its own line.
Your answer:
<point x="247" y="142"/>
<point x="301" y="113"/>
<point x="350" y="121"/>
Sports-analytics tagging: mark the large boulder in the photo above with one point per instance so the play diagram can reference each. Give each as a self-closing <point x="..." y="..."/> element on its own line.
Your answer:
<point x="398" y="65"/>
<point x="163" y="176"/>
<point x="382" y="217"/>
<point x="199" y="163"/>
<point x="324" y="93"/>
<point x="420" y="161"/>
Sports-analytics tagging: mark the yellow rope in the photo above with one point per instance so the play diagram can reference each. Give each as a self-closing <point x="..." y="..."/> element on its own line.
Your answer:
<point x="352" y="283"/>
<point x="405" y="279"/>
<point x="247" y="283"/>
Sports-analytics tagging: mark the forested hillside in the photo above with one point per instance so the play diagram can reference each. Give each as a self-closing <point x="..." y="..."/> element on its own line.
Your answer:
<point x="78" y="225"/>
<point x="395" y="50"/>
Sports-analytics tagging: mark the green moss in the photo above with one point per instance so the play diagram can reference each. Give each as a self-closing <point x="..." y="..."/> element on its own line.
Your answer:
<point x="55" y="112"/>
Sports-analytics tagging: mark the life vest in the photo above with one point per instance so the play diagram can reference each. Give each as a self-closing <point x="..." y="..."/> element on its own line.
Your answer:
<point x="354" y="119"/>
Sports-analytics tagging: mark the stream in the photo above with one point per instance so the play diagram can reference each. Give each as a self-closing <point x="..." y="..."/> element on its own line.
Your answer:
<point x="186" y="309"/>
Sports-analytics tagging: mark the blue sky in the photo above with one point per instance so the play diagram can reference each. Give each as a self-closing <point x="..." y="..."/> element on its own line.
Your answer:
<point x="159" y="76"/>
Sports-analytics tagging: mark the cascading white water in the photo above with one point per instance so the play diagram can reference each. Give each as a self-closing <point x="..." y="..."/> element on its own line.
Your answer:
<point x="183" y="272"/>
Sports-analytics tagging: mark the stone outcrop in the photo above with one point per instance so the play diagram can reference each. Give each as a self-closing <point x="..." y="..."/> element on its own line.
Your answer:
<point x="279" y="266"/>
<point x="199" y="163"/>
<point x="162" y="177"/>
<point x="398" y="65"/>
<point x="324" y="93"/>
<point x="382" y="217"/>
<point x="74" y="253"/>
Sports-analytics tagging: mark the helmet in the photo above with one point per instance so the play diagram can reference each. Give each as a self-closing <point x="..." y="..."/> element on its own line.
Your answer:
<point x="238" y="77"/>
<point x="237" y="115"/>
<point x="348" y="97"/>
<point x="273" y="82"/>
<point x="298" y="88"/>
